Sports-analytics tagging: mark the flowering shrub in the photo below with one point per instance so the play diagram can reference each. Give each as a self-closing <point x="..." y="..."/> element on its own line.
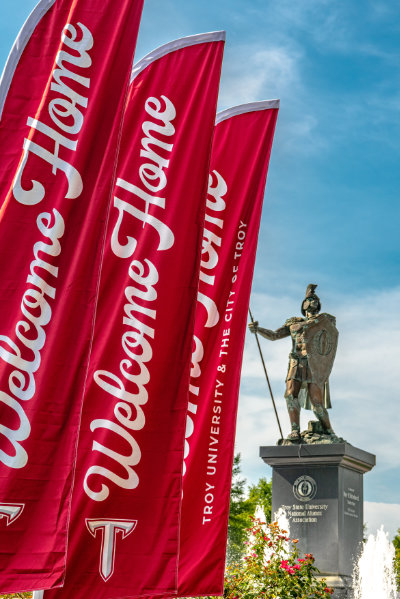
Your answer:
<point x="273" y="568"/>
<point x="16" y="596"/>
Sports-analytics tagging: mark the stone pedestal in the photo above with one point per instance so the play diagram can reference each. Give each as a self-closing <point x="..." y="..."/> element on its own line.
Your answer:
<point x="321" y="489"/>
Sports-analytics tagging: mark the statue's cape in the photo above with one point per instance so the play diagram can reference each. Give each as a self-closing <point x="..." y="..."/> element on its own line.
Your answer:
<point x="304" y="397"/>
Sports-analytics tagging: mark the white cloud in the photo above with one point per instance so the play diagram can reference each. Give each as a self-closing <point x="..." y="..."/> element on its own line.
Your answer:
<point x="252" y="71"/>
<point x="366" y="372"/>
<point x="376" y="514"/>
<point x="256" y="427"/>
<point x="262" y="72"/>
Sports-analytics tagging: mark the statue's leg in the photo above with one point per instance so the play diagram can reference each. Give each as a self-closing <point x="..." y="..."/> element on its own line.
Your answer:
<point x="293" y="406"/>
<point x="316" y="397"/>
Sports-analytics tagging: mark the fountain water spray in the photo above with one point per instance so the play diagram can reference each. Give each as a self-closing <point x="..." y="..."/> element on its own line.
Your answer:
<point x="374" y="576"/>
<point x="283" y="521"/>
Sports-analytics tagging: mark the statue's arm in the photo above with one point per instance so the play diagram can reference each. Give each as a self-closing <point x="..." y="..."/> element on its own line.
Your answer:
<point x="268" y="334"/>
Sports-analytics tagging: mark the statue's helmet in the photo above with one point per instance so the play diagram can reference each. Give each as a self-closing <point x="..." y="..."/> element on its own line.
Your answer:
<point x="310" y="294"/>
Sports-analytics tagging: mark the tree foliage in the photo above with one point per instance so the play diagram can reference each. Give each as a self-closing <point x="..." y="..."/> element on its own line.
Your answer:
<point x="261" y="495"/>
<point x="242" y="508"/>
<point x="240" y="511"/>
<point x="16" y="596"/>
<point x="396" y="543"/>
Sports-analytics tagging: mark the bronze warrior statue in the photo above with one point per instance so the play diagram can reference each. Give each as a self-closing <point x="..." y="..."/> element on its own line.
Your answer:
<point x="314" y="339"/>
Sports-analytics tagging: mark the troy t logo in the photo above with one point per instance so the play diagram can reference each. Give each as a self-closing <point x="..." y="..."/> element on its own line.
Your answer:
<point x="109" y="530"/>
<point x="11" y="511"/>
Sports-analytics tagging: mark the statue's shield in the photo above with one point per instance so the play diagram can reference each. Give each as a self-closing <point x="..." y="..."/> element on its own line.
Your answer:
<point x="321" y="339"/>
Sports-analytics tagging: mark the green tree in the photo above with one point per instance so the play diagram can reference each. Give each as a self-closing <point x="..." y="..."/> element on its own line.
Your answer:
<point x="261" y="494"/>
<point x="396" y="543"/>
<point x="240" y="511"/>
<point x="17" y="596"/>
<point x="242" y="507"/>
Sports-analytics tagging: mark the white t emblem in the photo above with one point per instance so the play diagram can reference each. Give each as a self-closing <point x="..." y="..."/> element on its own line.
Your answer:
<point x="11" y="511"/>
<point x="109" y="530"/>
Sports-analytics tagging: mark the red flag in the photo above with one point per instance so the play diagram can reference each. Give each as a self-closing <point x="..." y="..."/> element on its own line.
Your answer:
<point x="124" y="533"/>
<point x="239" y="163"/>
<point x="62" y="97"/>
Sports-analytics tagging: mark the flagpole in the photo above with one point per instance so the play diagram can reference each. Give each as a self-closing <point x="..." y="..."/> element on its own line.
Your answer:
<point x="266" y="375"/>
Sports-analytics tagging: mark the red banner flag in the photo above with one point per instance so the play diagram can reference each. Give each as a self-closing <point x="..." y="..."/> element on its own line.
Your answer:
<point x="239" y="163"/>
<point x="62" y="97"/>
<point x="124" y="533"/>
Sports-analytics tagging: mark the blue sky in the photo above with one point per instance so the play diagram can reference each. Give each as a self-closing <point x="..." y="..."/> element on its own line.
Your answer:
<point x="331" y="213"/>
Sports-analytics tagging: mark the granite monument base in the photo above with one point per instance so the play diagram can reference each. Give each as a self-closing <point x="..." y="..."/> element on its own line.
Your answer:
<point x="321" y="489"/>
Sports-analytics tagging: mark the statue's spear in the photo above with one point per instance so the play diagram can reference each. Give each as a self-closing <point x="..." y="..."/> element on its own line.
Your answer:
<point x="266" y="375"/>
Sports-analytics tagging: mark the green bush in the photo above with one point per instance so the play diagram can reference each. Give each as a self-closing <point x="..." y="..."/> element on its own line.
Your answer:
<point x="17" y="596"/>
<point x="396" y="543"/>
<point x="272" y="569"/>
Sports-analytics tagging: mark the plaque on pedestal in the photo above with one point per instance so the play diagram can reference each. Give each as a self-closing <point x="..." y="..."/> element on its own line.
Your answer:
<point x="321" y="489"/>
